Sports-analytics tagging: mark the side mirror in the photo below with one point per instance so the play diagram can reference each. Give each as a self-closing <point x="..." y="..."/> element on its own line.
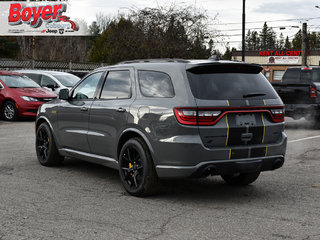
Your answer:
<point x="51" y="86"/>
<point x="64" y="94"/>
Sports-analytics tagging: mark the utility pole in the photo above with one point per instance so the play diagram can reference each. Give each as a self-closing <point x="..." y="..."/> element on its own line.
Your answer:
<point x="243" y="29"/>
<point x="304" y="44"/>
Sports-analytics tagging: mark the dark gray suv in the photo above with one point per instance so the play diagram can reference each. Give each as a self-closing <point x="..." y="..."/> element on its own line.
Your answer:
<point x="167" y="118"/>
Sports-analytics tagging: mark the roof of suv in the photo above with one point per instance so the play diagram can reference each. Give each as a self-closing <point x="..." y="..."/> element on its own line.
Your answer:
<point x="171" y="61"/>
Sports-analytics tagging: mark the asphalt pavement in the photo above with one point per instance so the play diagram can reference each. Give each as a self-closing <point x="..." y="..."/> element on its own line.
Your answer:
<point x="81" y="200"/>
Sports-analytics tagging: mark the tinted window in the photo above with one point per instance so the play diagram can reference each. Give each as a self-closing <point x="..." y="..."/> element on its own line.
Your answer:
<point x="306" y="76"/>
<point x="117" y="85"/>
<point x="45" y="81"/>
<point x="316" y="75"/>
<point x="155" y="84"/>
<point x="87" y="87"/>
<point x="292" y="76"/>
<point x="221" y="86"/>
<point x="34" y="77"/>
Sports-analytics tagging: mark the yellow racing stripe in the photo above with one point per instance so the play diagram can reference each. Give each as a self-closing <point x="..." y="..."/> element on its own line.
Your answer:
<point x="266" y="151"/>
<point x="229" y="153"/>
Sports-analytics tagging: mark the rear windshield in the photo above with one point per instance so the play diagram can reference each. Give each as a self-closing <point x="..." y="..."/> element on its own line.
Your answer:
<point x="230" y="85"/>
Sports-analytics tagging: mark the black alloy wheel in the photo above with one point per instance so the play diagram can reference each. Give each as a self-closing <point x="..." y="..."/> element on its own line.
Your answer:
<point x="137" y="171"/>
<point x="46" y="149"/>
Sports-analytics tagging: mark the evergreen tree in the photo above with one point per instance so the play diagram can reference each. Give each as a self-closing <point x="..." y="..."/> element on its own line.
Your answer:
<point x="287" y="44"/>
<point x="297" y="40"/>
<point x="264" y="37"/>
<point x="9" y="47"/>
<point x="280" y="42"/>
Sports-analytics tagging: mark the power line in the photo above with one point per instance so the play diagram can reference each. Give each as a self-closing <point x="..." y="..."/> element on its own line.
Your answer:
<point x="257" y="28"/>
<point x="279" y="20"/>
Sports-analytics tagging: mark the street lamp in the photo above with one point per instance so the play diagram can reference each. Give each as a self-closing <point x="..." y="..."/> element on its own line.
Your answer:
<point x="243" y="29"/>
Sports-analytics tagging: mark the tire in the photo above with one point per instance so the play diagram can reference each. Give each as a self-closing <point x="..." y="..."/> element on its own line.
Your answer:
<point x="9" y="111"/>
<point x="46" y="148"/>
<point x="240" y="179"/>
<point x="136" y="169"/>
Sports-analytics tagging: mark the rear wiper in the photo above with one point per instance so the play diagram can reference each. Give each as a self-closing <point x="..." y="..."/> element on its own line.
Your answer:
<point x="256" y="94"/>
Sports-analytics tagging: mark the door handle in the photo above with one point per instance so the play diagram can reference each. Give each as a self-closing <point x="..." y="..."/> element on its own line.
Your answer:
<point x="121" y="109"/>
<point x="83" y="109"/>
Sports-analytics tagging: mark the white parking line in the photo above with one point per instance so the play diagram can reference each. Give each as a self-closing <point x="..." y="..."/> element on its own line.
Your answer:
<point x="302" y="139"/>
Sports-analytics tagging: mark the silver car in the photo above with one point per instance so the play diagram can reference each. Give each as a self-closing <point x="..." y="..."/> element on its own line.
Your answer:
<point x="53" y="80"/>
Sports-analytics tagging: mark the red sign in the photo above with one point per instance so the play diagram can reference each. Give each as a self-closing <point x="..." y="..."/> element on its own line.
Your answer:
<point x="280" y="53"/>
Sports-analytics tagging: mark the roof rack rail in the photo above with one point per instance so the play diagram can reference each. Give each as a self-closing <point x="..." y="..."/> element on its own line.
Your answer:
<point x="156" y="60"/>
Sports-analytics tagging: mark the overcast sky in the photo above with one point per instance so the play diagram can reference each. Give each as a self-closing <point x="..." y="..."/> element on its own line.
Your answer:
<point x="227" y="11"/>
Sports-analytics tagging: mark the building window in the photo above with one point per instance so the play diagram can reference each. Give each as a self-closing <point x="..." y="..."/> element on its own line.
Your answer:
<point x="277" y="75"/>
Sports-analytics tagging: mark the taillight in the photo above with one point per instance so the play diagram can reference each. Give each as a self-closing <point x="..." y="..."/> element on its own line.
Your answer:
<point x="193" y="116"/>
<point x="278" y="114"/>
<point x="206" y="117"/>
<point x="313" y="92"/>
<point x="186" y="116"/>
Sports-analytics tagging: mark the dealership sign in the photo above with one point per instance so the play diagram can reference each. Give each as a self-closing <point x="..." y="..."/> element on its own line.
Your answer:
<point x="38" y="19"/>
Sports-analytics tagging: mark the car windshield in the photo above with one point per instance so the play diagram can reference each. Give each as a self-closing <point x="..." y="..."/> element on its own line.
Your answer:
<point x="18" y="81"/>
<point x="67" y="80"/>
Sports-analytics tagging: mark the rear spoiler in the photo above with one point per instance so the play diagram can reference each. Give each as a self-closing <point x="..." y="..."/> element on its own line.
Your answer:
<point x="218" y="67"/>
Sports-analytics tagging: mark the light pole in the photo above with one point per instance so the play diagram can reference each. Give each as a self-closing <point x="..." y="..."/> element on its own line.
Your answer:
<point x="243" y="29"/>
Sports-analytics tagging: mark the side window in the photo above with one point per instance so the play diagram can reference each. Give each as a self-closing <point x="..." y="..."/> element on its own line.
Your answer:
<point x="34" y="77"/>
<point x="292" y="76"/>
<point x="117" y="85"/>
<point x="316" y="75"/>
<point x="306" y="76"/>
<point x="45" y="81"/>
<point x="155" y="84"/>
<point x="87" y="88"/>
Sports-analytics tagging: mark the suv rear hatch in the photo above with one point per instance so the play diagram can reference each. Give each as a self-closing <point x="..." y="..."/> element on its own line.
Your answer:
<point x="236" y="105"/>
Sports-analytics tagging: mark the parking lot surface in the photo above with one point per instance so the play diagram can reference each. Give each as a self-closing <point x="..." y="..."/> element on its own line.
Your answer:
<point x="81" y="200"/>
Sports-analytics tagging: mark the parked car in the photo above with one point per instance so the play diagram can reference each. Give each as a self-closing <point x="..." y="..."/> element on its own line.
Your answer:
<point x="53" y="80"/>
<point x="156" y="119"/>
<point x="20" y="96"/>
<point x="300" y="92"/>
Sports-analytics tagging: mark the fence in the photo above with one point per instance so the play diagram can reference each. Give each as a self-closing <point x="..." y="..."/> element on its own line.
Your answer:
<point x="11" y="64"/>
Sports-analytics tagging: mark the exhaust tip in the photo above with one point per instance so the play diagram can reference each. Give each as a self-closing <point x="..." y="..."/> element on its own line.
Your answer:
<point x="277" y="163"/>
<point x="209" y="170"/>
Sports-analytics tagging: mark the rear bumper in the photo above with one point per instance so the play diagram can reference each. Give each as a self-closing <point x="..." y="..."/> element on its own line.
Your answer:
<point x="222" y="167"/>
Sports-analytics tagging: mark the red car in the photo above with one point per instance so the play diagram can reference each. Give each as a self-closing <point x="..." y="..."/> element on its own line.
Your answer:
<point x="20" y="96"/>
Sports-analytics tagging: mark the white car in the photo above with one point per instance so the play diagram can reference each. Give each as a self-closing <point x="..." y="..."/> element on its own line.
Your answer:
<point x="53" y="80"/>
